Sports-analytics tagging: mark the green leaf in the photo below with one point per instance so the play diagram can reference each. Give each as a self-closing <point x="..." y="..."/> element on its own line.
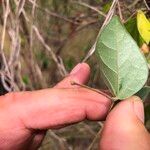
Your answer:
<point x="123" y="66"/>
<point x="144" y="92"/>
<point x="143" y="25"/>
<point x="131" y="26"/>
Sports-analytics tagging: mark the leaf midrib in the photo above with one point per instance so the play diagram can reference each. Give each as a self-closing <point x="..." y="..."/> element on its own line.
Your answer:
<point x="117" y="62"/>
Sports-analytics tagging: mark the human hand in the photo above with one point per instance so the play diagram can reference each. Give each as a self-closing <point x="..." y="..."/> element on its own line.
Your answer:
<point x="25" y="116"/>
<point x="124" y="128"/>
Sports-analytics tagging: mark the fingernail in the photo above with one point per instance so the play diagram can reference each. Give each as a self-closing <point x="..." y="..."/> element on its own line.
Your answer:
<point x="76" y="69"/>
<point x="138" y="108"/>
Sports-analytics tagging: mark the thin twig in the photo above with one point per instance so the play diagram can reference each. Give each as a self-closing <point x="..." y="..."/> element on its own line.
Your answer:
<point x="146" y="5"/>
<point x="10" y="86"/>
<point x="31" y="55"/>
<point x="132" y="15"/>
<point x="6" y="14"/>
<point x="54" y="14"/>
<point x="25" y="15"/>
<point x="95" y="138"/>
<point x="14" y="34"/>
<point x="15" y="46"/>
<point x="89" y="6"/>
<point x="60" y="139"/>
<point x="87" y="127"/>
<point x="21" y="6"/>
<point x="120" y="12"/>
<point x="107" y="19"/>
<point x="60" y="66"/>
<point x="4" y="83"/>
<point x="95" y="90"/>
<point x="133" y="4"/>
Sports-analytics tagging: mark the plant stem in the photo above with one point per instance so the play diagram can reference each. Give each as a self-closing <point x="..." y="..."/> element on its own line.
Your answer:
<point x="95" y="90"/>
<point x="94" y="140"/>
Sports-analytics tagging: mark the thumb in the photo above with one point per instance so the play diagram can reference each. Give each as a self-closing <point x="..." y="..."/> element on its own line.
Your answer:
<point x="124" y="128"/>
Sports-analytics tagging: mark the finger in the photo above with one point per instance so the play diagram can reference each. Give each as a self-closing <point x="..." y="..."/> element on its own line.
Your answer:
<point x="55" y="108"/>
<point x="79" y="74"/>
<point x="124" y="127"/>
<point x="36" y="141"/>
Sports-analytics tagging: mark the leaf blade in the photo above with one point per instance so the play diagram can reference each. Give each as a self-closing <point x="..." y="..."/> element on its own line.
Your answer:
<point x="131" y="27"/>
<point x="143" y="25"/>
<point x="120" y="60"/>
<point x="144" y="92"/>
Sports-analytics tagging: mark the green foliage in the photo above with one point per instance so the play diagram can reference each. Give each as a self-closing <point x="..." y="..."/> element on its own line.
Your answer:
<point x="131" y="26"/>
<point x="144" y="92"/>
<point x="123" y="66"/>
<point x="106" y="7"/>
<point x="25" y="79"/>
<point x="43" y="59"/>
<point x="69" y="63"/>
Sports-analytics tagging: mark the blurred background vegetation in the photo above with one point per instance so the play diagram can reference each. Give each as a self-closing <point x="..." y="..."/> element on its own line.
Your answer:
<point x="42" y="40"/>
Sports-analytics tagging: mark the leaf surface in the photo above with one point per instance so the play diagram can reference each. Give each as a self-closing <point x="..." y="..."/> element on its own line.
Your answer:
<point x="122" y="65"/>
<point x="131" y="26"/>
<point x="144" y="92"/>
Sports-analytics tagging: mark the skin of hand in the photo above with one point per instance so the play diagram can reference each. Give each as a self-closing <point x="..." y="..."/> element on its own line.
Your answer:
<point x="124" y="128"/>
<point x="25" y="116"/>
